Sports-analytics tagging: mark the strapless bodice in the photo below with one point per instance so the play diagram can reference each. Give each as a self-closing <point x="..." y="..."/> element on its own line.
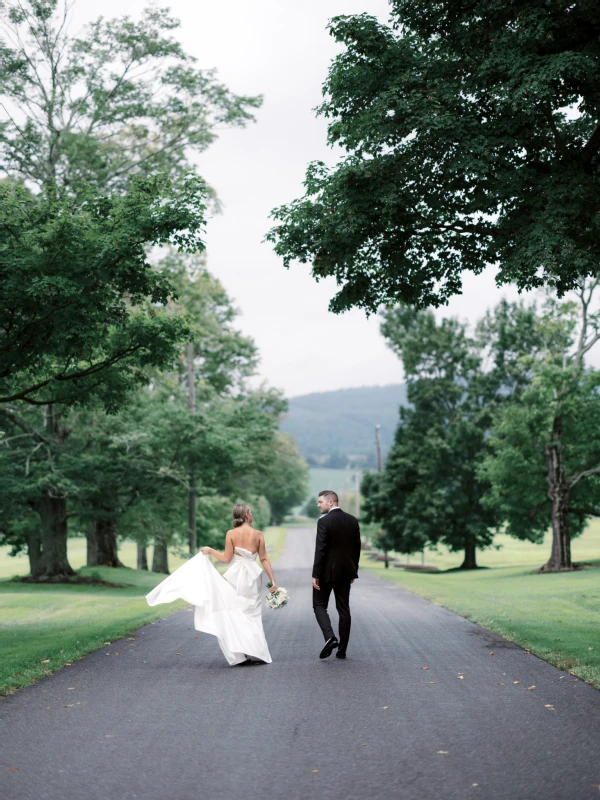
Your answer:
<point x="245" y="554"/>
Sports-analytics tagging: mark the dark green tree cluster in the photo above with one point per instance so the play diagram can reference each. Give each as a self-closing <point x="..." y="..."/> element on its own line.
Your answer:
<point x="501" y="431"/>
<point x="124" y="405"/>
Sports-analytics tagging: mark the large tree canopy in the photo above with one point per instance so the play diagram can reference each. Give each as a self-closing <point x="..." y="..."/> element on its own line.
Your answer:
<point x="121" y="97"/>
<point x="472" y="136"/>
<point x="80" y="302"/>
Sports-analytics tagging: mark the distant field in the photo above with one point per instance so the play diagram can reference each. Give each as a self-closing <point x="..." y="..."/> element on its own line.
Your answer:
<point x="45" y="626"/>
<point x="340" y="480"/>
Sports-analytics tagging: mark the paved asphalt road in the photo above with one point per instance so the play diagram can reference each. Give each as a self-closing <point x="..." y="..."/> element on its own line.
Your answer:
<point x="168" y="720"/>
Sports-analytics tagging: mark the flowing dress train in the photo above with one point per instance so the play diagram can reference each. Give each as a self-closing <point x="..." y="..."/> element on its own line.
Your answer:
<point x="227" y="606"/>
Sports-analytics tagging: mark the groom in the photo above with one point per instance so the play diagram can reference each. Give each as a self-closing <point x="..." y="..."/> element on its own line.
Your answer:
<point x="337" y="553"/>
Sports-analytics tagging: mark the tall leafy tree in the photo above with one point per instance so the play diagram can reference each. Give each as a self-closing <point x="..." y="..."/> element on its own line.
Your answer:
<point x="472" y="137"/>
<point x="119" y="98"/>
<point x="286" y="481"/>
<point x="82" y="322"/>
<point x="551" y="435"/>
<point x="432" y="489"/>
<point x="429" y="491"/>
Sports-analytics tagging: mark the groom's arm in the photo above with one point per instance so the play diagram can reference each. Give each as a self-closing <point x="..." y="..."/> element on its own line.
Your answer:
<point x="320" y="548"/>
<point x="357" y="544"/>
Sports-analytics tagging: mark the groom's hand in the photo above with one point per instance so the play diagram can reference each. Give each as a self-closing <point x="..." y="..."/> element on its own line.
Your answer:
<point x="316" y="584"/>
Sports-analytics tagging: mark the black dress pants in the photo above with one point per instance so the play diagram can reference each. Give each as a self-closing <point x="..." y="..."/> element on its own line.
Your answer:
<point x="341" y="590"/>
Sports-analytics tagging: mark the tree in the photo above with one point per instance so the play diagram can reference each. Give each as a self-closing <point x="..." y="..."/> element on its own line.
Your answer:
<point x="430" y="490"/>
<point x="81" y="302"/>
<point x="311" y="509"/>
<point x="551" y="434"/>
<point x="123" y="98"/>
<point x="82" y="318"/>
<point x="286" y="482"/>
<point x="472" y="137"/>
<point x="106" y="111"/>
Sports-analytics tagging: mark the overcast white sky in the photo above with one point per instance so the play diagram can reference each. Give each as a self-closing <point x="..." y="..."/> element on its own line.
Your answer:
<point x="281" y="49"/>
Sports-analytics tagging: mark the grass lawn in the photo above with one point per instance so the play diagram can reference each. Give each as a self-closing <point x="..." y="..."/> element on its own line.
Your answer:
<point x="556" y="616"/>
<point x="45" y="626"/>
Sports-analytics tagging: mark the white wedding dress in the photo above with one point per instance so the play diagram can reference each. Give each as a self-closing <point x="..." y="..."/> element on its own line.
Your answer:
<point x="227" y="606"/>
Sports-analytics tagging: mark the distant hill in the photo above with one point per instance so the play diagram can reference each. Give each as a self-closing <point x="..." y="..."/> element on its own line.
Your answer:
<point x="336" y="429"/>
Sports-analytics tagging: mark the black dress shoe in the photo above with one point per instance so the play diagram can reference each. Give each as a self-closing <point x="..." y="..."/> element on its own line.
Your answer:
<point x="340" y="655"/>
<point x="330" y="646"/>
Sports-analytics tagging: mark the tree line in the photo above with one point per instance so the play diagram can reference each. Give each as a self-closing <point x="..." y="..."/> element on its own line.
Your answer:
<point x="500" y="430"/>
<point x="125" y="408"/>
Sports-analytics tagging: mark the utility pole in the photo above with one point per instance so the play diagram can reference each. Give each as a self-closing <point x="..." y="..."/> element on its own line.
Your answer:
<point x="380" y="469"/>
<point x="192" y="478"/>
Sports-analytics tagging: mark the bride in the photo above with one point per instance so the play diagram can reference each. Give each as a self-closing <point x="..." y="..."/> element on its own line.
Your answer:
<point x="227" y="606"/>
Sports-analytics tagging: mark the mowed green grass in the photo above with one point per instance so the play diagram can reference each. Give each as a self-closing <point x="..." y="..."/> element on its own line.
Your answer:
<point x="44" y="627"/>
<point x="557" y="616"/>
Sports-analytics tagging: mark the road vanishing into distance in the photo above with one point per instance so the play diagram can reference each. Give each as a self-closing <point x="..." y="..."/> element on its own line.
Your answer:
<point x="421" y="710"/>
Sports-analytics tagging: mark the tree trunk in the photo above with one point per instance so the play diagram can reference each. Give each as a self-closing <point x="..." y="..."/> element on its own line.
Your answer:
<point x="160" y="558"/>
<point x="142" y="557"/>
<point x="192" y="517"/>
<point x="35" y="553"/>
<point x="106" y="543"/>
<point x="53" y="516"/>
<point x="558" y="492"/>
<point x="470" y="560"/>
<point x="92" y="545"/>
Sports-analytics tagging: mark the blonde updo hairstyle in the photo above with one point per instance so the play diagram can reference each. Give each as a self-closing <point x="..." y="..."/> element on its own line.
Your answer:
<point x="239" y="514"/>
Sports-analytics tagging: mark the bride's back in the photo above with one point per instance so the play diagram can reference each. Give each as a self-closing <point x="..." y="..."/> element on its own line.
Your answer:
<point x="246" y="537"/>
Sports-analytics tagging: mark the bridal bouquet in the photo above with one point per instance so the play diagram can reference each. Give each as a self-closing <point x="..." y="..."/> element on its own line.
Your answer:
<point x="276" y="599"/>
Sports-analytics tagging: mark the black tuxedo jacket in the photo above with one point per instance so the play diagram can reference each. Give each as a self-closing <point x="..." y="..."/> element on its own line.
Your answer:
<point x="337" y="549"/>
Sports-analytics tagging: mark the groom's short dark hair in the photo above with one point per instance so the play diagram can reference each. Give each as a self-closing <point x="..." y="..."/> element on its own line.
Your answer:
<point x="328" y="494"/>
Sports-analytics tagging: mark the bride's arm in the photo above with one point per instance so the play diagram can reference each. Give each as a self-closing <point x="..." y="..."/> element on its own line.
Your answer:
<point x="264" y="560"/>
<point x="226" y="556"/>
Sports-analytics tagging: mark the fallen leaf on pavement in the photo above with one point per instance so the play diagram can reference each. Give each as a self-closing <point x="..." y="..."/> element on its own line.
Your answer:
<point x="315" y="770"/>
<point x="460" y="677"/>
<point x="492" y="653"/>
<point x="432" y="681"/>
<point x="196" y="637"/>
<point x="442" y="752"/>
<point x="12" y="769"/>
<point x="529" y="688"/>
<point x="71" y="689"/>
<point x="131" y="638"/>
<point x="69" y="706"/>
<point x="424" y="667"/>
<point x="516" y="681"/>
<point x="500" y="683"/>
<point x="385" y="707"/>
